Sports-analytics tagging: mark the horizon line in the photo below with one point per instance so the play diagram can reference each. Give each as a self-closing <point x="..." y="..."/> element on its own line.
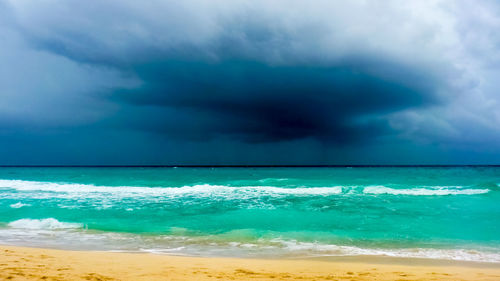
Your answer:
<point x="252" y="166"/>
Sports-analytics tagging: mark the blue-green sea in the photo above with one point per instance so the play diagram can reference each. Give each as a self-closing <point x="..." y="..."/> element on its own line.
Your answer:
<point x="450" y="213"/>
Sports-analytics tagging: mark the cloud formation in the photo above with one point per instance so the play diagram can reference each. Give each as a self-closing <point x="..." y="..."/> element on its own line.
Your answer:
<point x="256" y="73"/>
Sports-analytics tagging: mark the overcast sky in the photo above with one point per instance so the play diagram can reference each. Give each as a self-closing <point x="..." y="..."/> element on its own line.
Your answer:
<point x="130" y="82"/>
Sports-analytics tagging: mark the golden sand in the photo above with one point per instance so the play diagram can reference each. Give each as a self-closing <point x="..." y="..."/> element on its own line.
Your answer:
<point x="17" y="263"/>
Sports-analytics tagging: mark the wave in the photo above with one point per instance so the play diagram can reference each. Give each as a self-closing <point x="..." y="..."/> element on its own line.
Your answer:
<point x="423" y="191"/>
<point x="26" y="232"/>
<point x="273" y="180"/>
<point x="18" y="205"/>
<point x="49" y="223"/>
<point x="427" y="253"/>
<point x="208" y="190"/>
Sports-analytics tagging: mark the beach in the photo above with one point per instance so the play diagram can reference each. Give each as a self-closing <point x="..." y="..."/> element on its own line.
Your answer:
<point x="21" y="263"/>
<point x="372" y="223"/>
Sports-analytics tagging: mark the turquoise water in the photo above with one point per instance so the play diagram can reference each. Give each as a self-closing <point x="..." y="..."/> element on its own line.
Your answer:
<point x="427" y="212"/>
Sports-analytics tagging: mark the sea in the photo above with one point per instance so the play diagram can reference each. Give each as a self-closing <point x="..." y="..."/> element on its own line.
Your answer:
<point x="445" y="213"/>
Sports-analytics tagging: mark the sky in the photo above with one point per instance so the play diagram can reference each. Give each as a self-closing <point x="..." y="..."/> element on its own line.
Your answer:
<point x="230" y="82"/>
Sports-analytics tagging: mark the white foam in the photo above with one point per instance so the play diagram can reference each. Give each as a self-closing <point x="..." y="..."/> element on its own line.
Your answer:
<point x="427" y="253"/>
<point x="229" y="192"/>
<point x="27" y="232"/>
<point x="49" y="223"/>
<point x="162" y="250"/>
<point x="273" y="179"/>
<point x="19" y="205"/>
<point x="422" y="191"/>
<point x="202" y="189"/>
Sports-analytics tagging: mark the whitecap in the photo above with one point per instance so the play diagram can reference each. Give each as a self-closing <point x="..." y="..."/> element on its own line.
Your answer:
<point x="223" y="191"/>
<point x="422" y="191"/>
<point x="19" y="205"/>
<point x="199" y="190"/>
<point x="49" y="223"/>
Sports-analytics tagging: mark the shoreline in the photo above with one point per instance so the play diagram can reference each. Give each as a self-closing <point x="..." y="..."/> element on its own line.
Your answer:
<point x="24" y="263"/>
<point x="354" y="258"/>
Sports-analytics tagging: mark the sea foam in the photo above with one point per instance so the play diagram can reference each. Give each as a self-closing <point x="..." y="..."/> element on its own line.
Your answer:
<point x="209" y="190"/>
<point x="49" y="223"/>
<point x="201" y="189"/>
<point x="424" y="253"/>
<point x="18" y="205"/>
<point x="422" y="191"/>
<point x="24" y="230"/>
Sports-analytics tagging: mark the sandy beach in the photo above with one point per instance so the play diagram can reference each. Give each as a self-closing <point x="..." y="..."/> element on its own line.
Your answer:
<point x="20" y="263"/>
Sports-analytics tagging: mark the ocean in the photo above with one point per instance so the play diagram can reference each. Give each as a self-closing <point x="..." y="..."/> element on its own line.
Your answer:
<point x="450" y="213"/>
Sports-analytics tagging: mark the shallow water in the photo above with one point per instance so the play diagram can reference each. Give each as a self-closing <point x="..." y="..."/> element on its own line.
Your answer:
<point x="422" y="212"/>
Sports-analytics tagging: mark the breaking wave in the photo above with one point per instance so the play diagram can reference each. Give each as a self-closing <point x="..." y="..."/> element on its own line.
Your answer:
<point x="49" y="223"/>
<point x="226" y="190"/>
<point x="184" y="190"/>
<point x="423" y="191"/>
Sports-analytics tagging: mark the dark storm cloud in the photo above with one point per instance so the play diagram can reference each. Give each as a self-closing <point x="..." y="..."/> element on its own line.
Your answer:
<point x="255" y="79"/>
<point x="258" y="102"/>
<point x="256" y="76"/>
